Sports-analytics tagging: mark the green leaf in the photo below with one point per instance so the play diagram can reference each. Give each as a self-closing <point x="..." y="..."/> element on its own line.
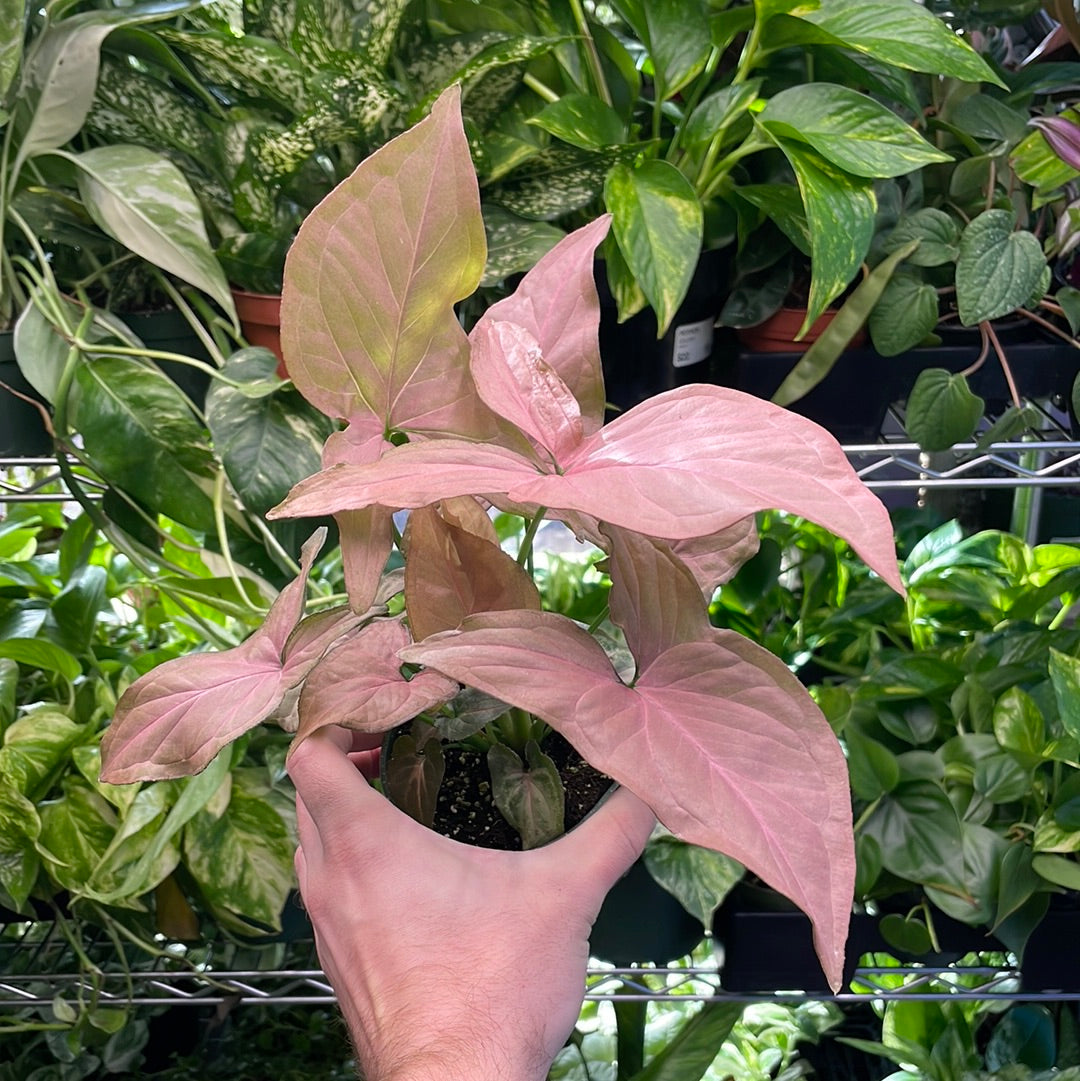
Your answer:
<point x="9" y="679"/>
<point x="941" y="409"/>
<point x="906" y="313"/>
<point x="77" y="606"/>
<point x="12" y="14"/>
<point x="997" y="269"/>
<point x="38" y="653"/>
<point x="872" y="766"/>
<point x="1002" y="779"/>
<point x="694" y="1048"/>
<point x="141" y="436"/>
<point x="938" y="233"/>
<point x="514" y="244"/>
<point x="676" y="37"/>
<point x="717" y="111"/>
<point x="35" y="748"/>
<point x="61" y="69"/>
<point x="905" y="35"/>
<point x="1060" y="870"/>
<point x="267" y="443"/>
<point x="849" y="129"/>
<point x="143" y="201"/>
<point x="242" y="859"/>
<point x="1024" y="1035"/>
<point x="582" y="121"/>
<point x="819" y="359"/>
<point x="529" y="794"/>
<point x="75" y="832"/>
<point x="1065" y="676"/>
<point x="1018" y="723"/>
<point x="19" y="828"/>
<point x="658" y="222"/>
<point x="840" y="214"/>
<point x="1017" y="881"/>
<point x="197" y="792"/>
<point x="698" y="877"/>
<point x="1067" y="803"/>
<point x="906" y="933"/>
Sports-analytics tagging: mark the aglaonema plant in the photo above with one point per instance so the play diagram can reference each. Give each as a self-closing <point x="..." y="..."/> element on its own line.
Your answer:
<point x="712" y="731"/>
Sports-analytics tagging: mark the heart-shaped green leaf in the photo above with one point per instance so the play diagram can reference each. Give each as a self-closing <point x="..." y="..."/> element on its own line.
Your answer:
<point x="906" y="934"/>
<point x="941" y="410"/>
<point x="997" y="269"/>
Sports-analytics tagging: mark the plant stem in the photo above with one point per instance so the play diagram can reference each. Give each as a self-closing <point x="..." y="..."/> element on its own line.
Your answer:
<point x="540" y="89"/>
<point x="630" y="1036"/>
<point x="525" y="552"/>
<point x="223" y="540"/>
<point x="592" y="55"/>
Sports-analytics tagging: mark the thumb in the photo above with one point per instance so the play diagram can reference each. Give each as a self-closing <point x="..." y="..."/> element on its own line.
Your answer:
<point x="606" y="843"/>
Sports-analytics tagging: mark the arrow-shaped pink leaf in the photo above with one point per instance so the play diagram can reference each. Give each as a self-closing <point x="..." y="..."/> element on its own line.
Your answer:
<point x="172" y="721"/>
<point x="716" y="736"/>
<point x="367" y="319"/>
<point x="359" y="684"/>
<point x="687" y="463"/>
<point x="515" y="381"/>
<point x="557" y="304"/>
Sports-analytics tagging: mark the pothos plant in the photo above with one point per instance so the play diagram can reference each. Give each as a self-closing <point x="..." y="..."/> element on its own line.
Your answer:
<point x="712" y="731"/>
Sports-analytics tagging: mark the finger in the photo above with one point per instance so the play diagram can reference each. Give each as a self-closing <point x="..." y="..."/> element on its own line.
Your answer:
<point x="606" y="843"/>
<point x="367" y="762"/>
<point x="327" y="783"/>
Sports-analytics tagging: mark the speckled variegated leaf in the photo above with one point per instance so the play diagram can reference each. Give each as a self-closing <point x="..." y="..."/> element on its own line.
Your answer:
<point x="251" y="66"/>
<point x="849" y="129"/>
<point x="145" y="202"/>
<point x="557" y="181"/>
<point x="379" y="25"/>
<point x="840" y="214"/>
<point x="131" y="107"/>
<point x="499" y="54"/>
<point x="12" y="13"/>
<point x="514" y="244"/>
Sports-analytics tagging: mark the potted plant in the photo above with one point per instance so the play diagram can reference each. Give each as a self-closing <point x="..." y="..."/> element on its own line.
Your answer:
<point x="512" y="414"/>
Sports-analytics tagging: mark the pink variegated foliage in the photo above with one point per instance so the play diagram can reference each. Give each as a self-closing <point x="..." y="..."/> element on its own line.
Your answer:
<point x="714" y="733"/>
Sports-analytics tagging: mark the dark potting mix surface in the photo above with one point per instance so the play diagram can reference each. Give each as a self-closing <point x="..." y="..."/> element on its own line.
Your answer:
<point x="465" y="811"/>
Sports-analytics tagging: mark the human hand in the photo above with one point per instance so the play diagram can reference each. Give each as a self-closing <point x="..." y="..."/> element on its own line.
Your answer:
<point x="448" y="961"/>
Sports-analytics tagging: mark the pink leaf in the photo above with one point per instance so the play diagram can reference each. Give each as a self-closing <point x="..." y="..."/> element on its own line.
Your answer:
<point x="688" y="463"/>
<point x="367" y="320"/>
<point x="359" y="684"/>
<point x="654" y="597"/>
<point x="365" y="536"/>
<point x="451" y="573"/>
<point x="557" y="304"/>
<point x="716" y="736"/>
<point x="715" y="559"/>
<point x="515" y="381"/>
<point x="172" y="721"/>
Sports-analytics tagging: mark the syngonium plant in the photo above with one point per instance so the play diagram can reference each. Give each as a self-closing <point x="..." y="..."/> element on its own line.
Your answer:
<point x="712" y="731"/>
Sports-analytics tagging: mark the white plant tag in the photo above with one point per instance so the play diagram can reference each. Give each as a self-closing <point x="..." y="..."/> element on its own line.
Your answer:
<point x="693" y="343"/>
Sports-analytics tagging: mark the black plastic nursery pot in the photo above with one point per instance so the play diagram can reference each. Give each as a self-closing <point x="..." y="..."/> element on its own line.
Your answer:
<point x="638" y="365"/>
<point x="853" y="398"/>
<point x="766" y="943"/>
<point x="22" y="427"/>
<point x="1051" y="958"/>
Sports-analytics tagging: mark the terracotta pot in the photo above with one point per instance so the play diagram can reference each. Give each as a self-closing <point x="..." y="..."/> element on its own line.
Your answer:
<point x="260" y="319"/>
<point x="777" y="333"/>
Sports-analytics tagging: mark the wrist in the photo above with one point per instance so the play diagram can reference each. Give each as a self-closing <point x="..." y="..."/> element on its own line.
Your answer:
<point x="463" y="1061"/>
